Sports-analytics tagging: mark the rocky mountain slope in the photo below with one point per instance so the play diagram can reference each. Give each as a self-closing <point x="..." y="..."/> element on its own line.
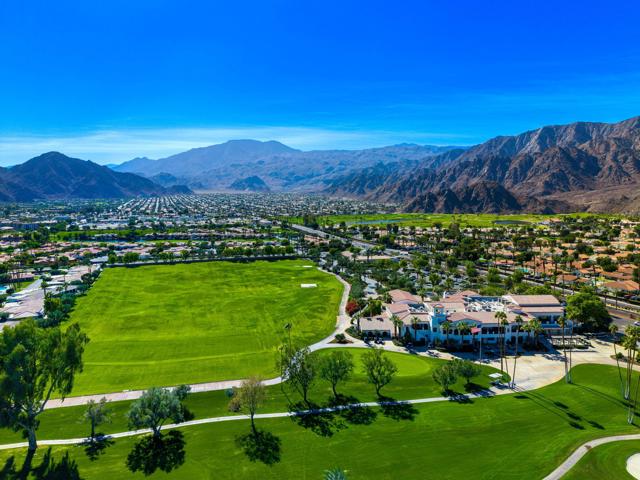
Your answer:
<point x="581" y="166"/>
<point x="56" y="176"/>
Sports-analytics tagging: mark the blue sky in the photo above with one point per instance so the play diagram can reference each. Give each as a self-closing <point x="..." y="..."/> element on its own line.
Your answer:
<point x="108" y="81"/>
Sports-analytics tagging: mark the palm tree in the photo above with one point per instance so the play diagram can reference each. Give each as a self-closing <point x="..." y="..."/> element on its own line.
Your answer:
<point x="630" y="343"/>
<point x="536" y="328"/>
<point x="397" y="323"/>
<point x="501" y="317"/>
<point x="563" y="323"/>
<point x="519" y="322"/>
<point x="446" y="326"/>
<point x="463" y="328"/>
<point x="414" y="326"/>
<point x="613" y="328"/>
<point x="505" y="324"/>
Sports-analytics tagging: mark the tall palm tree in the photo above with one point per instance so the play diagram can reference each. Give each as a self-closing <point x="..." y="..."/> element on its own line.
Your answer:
<point x="505" y="324"/>
<point x="536" y="328"/>
<point x="630" y="344"/>
<point x="463" y="328"/>
<point x="613" y="328"/>
<point x="397" y="324"/>
<point x="414" y="326"/>
<point x="519" y="322"/>
<point x="446" y="326"/>
<point x="563" y="323"/>
<point x="501" y="317"/>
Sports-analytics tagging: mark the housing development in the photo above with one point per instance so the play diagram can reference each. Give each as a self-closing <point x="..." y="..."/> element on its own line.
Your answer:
<point x="273" y="325"/>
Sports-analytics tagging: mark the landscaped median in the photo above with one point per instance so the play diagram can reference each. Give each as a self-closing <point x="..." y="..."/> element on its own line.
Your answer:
<point x="520" y="435"/>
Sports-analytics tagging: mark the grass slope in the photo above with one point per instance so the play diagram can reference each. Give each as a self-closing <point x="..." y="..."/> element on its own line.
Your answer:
<point x="518" y="436"/>
<point x="188" y="323"/>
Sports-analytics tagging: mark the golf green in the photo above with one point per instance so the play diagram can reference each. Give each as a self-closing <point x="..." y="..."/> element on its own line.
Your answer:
<point x="165" y="325"/>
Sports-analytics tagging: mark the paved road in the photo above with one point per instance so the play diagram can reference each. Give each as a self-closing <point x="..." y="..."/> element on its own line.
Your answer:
<point x="570" y="462"/>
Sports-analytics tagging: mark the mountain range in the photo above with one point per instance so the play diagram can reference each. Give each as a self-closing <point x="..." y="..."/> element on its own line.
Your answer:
<point x="580" y="166"/>
<point x="281" y="168"/>
<point x="583" y="166"/>
<point x="54" y="176"/>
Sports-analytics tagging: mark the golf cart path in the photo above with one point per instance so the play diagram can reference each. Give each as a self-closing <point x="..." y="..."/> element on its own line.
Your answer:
<point x="229" y="418"/>
<point x="582" y="450"/>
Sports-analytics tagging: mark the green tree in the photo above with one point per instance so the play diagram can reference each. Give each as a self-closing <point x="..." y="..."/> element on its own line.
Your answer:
<point x="588" y="310"/>
<point x="466" y="369"/>
<point x="35" y="363"/>
<point x="445" y="376"/>
<point x="156" y="406"/>
<point x="248" y="398"/>
<point x="379" y="368"/>
<point x="96" y="414"/>
<point x="299" y="368"/>
<point x="336" y="367"/>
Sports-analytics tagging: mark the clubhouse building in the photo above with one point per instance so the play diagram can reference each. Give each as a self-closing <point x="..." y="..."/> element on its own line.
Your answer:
<point x="464" y="318"/>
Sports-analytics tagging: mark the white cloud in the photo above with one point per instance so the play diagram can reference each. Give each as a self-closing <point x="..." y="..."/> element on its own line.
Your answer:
<point x="115" y="146"/>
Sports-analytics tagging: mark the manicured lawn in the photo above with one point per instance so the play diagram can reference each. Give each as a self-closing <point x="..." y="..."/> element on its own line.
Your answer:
<point x="606" y="462"/>
<point x="517" y="436"/>
<point x="187" y="323"/>
<point x="413" y="380"/>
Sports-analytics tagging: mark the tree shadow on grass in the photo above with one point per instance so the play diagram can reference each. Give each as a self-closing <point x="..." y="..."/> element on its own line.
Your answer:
<point x="359" y="415"/>
<point x="320" y="420"/>
<point x="352" y="411"/>
<point x="49" y="469"/>
<point x="261" y="446"/>
<point x="397" y="410"/>
<point x="473" y="388"/>
<point x="97" y="447"/>
<point x="151" y="453"/>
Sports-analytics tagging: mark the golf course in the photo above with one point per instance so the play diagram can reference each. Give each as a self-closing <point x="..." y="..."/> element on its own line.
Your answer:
<point x="164" y="325"/>
<point x="506" y="436"/>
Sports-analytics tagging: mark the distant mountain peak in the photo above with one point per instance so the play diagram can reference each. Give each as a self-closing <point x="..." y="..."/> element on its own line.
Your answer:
<point x="54" y="175"/>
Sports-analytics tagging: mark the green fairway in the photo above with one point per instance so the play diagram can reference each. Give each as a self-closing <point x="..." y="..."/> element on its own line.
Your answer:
<point x="606" y="462"/>
<point x="479" y="220"/>
<point x="187" y="323"/>
<point x="517" y="436"/>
